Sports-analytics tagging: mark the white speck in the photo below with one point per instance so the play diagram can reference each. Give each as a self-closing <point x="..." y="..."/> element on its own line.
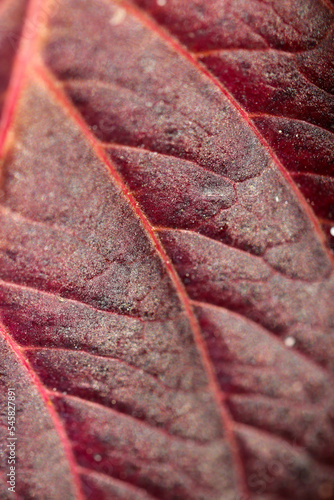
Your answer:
<point x="297" y="135"/>
<point x="297" y="387"/>
<point x="113" y="402"/>
<point x="161" y="3"/>
<point x="332" y="231"/>
<point x="118" y="17"/>
<point x="280" y="131"/>
<point x="97" y="457"/>
<point x="276" y="198"/>
<point x="54" y="389"/>
<point x="289" y="341"/>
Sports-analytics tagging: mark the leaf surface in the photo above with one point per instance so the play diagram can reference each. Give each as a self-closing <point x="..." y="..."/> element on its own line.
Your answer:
<point x="166" y="290"/>
<point x="276" y="60"/>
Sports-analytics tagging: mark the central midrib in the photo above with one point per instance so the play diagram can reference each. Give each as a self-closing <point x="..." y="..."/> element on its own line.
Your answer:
<point x="98" y="148"/>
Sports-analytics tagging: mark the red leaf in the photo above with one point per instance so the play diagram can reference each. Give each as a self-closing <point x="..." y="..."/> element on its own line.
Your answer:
<point x="166" y="287"/>
<point x="276" y="59"/>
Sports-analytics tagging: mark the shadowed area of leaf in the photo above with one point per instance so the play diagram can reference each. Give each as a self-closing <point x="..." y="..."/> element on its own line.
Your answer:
<point x="165" y="288"/>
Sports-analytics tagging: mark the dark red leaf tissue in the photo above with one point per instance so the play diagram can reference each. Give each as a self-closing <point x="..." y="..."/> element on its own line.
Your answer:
<point x="166" y="250"/>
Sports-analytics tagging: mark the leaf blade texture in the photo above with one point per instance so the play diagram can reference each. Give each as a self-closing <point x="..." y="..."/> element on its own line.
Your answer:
<point x="166" y="284"/>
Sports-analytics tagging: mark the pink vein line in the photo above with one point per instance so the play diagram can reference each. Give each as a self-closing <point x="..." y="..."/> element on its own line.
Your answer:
<point x="162" y="33"/>
<point x="28" y="43"/>
<point x="58" y="94"/>
<point x="24" y="54"/>
<point x="49" y="405"/>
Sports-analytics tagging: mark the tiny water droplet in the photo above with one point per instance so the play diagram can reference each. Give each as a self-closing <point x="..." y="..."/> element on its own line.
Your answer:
<point x="289" y="341"/>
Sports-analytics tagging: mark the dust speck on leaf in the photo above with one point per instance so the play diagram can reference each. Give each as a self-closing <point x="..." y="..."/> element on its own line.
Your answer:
<point x="118" y="17"/>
